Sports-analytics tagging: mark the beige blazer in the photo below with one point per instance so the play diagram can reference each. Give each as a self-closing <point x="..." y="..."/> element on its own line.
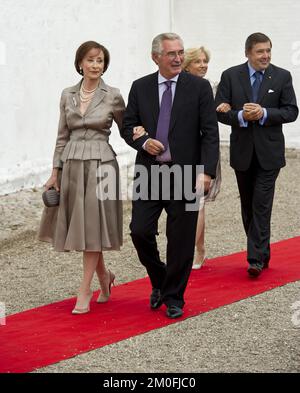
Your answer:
<point x="85" y="137"/>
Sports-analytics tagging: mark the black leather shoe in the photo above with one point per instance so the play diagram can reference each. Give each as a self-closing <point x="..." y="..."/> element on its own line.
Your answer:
<point x="266" y="265"/>
<point x="155" y="299"/>
<point x="255" y="268"/>
<point x="174" y="311"/>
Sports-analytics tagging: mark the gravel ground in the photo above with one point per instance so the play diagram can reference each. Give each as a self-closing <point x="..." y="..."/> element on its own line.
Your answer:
<point x="252" y="335"/>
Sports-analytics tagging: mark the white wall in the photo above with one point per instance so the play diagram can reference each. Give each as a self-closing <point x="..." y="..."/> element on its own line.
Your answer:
<point x="38" y="40"/>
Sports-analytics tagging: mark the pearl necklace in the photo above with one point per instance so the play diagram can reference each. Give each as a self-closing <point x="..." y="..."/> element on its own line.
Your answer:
<point x="87" y="91"/>
<point x="88" y="96"/>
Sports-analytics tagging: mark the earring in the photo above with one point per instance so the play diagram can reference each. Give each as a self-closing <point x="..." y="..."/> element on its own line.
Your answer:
<point x="81" y="71"/>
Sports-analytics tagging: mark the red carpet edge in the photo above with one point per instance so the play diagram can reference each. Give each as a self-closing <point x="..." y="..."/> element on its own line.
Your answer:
<point x="49" y="334"/>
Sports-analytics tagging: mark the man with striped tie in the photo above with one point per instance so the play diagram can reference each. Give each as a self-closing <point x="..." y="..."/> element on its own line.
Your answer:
<point x="177" y="112"/>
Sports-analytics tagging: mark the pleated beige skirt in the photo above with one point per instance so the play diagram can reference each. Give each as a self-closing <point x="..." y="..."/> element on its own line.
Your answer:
<point x="89" y="216"/>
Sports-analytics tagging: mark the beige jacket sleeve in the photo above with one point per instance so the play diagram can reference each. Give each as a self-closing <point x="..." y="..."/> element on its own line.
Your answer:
<point x="119" y="109"/>
<point x="63" y="134"/>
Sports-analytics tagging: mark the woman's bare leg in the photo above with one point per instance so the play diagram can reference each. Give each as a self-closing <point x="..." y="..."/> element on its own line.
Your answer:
<point x="199" y="241"/>
<point x="106" y="279"/>
<point x="90" y="262"/>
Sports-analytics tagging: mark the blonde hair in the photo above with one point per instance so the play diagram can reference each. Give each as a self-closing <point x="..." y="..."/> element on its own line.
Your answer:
<point x="192" y="54"/>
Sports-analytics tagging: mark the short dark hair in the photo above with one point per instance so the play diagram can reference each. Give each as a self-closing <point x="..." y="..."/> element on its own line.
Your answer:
<point x="83" y="50"/>
<point x="256" y="38"/>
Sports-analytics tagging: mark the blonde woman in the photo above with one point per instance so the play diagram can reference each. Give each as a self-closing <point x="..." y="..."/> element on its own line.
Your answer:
<point x="196" y="62"/>
<point x="84" y="221"/>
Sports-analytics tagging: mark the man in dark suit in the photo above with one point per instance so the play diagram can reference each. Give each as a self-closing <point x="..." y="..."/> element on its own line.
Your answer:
<point x="177" y="112"/>
<point x="262" y="98"/>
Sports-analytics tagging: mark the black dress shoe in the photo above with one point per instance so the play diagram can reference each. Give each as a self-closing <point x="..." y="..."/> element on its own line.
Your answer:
<point x="174" y="311"/>
<point x="255" y="268"/>
<point x="266" y="265"/>
<point x="155" y="299"/>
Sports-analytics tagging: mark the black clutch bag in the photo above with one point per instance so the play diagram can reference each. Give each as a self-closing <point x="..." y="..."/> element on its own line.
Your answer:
<point x="51" y="197"/>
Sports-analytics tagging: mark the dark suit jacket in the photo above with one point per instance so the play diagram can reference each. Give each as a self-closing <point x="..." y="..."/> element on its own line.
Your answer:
<point x="277" y="96"/>
<point x="193" y="133"/>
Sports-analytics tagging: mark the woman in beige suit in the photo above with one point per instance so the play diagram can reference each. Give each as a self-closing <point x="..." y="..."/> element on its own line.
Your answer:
<point x="85" y="171"/>
<point x="196" y="62"/>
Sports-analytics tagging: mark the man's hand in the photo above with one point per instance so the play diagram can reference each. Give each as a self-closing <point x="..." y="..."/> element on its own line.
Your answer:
<point x="252" y="111"/>
<point x="203" y="183"/>
<point x="154" y="147"/>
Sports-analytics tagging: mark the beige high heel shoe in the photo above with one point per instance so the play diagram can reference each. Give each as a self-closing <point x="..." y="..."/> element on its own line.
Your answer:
<point x="198" y="261"/>
<point x="105" y="286"/>
<point x="77" y="311"/>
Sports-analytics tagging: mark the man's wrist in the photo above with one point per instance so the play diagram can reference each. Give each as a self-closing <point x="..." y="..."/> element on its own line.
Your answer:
<point x="263" y="119"/>
<point x="242" y="121"/>
<point x="144" y="144"/>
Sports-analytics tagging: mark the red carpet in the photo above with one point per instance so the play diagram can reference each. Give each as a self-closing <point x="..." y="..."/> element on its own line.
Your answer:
<point x="49" y="334"/>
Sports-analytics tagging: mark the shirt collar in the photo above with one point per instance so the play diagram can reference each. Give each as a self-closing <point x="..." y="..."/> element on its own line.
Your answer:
<point x="162" y="79"/>
<point x="252" y="71"/>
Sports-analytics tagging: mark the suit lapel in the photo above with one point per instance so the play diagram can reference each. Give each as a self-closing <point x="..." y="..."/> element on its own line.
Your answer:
<point x="266" y="83"/>
<point x="245" y="81"/>
<point x="98" y="97"/>
<point x="178" y="99"/>
<point x="74" y="97"/>
<point x="153" y="97"/>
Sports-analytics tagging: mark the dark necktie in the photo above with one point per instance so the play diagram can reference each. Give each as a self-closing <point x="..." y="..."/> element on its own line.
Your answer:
<point x="163" y="123"/>
<point x="256" y="85"/>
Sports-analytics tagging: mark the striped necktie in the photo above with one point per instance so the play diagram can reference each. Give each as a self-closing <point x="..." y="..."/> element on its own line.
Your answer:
<point x="163" y="123"/>
<point x="256" y="85"/>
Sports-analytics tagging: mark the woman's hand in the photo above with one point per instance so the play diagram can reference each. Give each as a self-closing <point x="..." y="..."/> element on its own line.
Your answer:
<point x="138" y="132"/>
<point x="152" y="146"/>
<point x="52" y="181"/>
<point x="223" y="108"/>
<point x="203" y="183"/>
